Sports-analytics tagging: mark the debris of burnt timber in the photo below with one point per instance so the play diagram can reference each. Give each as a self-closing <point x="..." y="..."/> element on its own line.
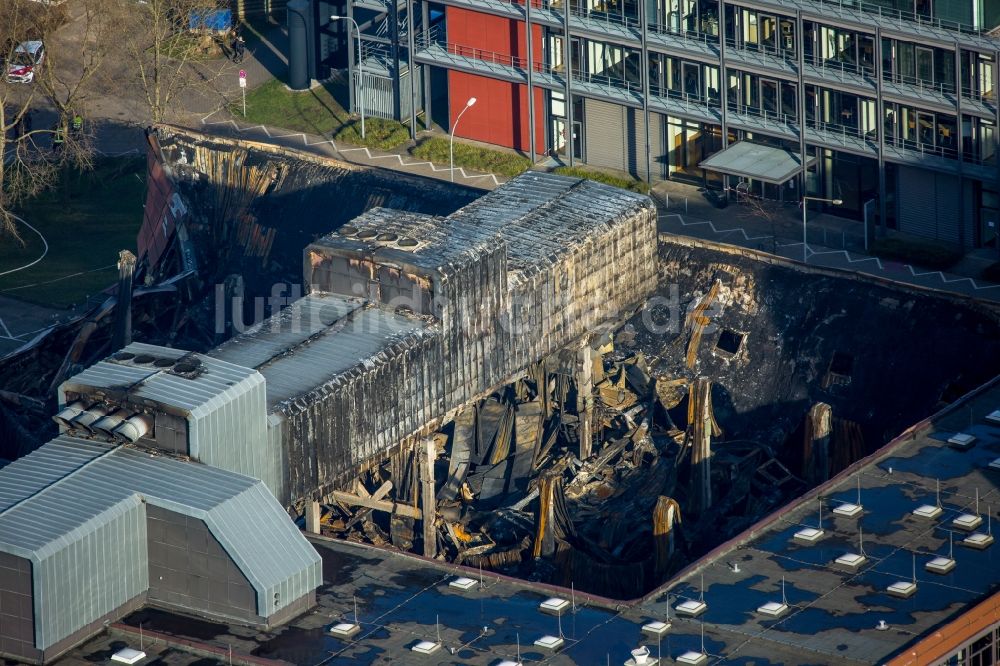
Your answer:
<point x="611" y="466"/>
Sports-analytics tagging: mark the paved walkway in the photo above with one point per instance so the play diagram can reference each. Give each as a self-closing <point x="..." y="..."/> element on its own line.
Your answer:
<point x="832" y="242"/>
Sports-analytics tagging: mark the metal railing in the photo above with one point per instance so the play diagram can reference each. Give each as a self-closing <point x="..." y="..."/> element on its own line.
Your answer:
<point x="901" y="17"/>
<point x="697" y="37"/>
<point x="922" y="147"/>
<point x="775" y="119"/>
<point x="846" y="133"/>
<point x="691" y="102"/>
<point x="921" y="84"/>
<point x="771" y="52"/>
<point x="607" y="18"/>
<point x="839" y="69"/>
<point x="979" y="96"/>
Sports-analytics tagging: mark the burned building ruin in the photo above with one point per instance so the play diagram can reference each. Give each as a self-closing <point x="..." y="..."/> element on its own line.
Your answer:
<point x="535" y="384"/>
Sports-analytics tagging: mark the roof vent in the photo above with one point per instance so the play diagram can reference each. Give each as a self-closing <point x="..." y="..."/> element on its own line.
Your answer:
<point x="387" y="237"/>
<point x="163" y="362"/>
<point x="347" y="230"/>
<point x="88" y="417"/>
<point x="134" y="428"/>
<point x="107" y="424"/>
<point x="123" y="356"/>
<point x="366" y="234"/>
<point x="68" y="413"/>
<point x="407" y="243"/>
<point x="143" y="359"/>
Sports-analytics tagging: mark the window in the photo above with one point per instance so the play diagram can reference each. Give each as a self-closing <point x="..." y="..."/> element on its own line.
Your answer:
<point x="730" y="342"/>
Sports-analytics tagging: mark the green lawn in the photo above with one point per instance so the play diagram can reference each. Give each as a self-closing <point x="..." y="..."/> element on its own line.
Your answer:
<point x="317" y="111"/>
<point x="501" y="162"/>
<point x="622" y="180"/>
<point x="314" y="111"/>
<point x="85" y="231"/>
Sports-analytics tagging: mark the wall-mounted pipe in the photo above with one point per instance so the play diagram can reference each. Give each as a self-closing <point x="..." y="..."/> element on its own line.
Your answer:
<point x="134" y="428"/>
<point x="65" y="415"/>
<point x="89" y="417"/>
<point x="106" y="426"/>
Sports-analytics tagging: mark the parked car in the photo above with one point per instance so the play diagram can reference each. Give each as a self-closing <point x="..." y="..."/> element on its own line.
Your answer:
<point x="25" y="62"/>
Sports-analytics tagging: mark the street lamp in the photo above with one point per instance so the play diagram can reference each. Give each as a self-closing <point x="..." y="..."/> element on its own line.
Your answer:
<point x="805" y="246"/>
<point x="451" y="136"/>
<point x="361" y="69"/>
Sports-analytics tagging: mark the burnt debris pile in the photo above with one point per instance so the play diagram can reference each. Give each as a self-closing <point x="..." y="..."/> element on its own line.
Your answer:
<point x="738" y="386"/>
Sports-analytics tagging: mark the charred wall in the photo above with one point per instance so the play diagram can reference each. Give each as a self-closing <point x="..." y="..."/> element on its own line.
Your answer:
<point x="882" y="355"/>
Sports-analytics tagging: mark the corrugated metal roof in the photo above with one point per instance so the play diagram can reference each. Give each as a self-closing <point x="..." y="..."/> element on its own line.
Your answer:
<point x="314" y="340"/>
<point x="536" y="215"/>
<point x="145" y="381"/>
<point x="82" y="484"/>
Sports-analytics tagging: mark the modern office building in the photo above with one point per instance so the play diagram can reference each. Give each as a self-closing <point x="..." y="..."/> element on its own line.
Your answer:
<point x="893" y="102"/>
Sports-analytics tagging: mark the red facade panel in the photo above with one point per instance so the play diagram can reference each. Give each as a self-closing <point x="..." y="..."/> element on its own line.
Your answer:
<point x="500" y="115"/>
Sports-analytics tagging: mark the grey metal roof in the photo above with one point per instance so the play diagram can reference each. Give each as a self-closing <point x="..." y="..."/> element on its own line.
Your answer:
<point x="537" y="215"/>
<point x="834" y="612"/>
<point x="753" y="160"/>
<point x="316" y="339"/>
<point x="195" y="396"/>
<point x="71" y="486"/>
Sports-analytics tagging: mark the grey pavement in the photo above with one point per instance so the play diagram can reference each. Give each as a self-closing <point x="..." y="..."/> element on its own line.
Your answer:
<point x="832" y="242"/>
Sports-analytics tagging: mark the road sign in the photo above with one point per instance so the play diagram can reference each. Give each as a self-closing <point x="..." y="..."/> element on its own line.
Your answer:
<point x="243" y="78"/>
<point x="243" y="90"/>
<point x="243" y="73"/>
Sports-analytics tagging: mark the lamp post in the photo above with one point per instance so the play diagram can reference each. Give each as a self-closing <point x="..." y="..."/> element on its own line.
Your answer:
<point x="805" y="200"/>
<point x="361" y="69"/>
<point x="451" y="136"/>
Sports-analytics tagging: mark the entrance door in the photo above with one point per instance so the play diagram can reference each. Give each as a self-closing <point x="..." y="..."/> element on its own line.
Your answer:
<point x="559" y="135"/>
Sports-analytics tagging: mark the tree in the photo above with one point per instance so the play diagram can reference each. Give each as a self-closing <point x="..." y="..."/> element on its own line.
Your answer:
<point x="168" y="55"/>
<point x="27" y="166"/>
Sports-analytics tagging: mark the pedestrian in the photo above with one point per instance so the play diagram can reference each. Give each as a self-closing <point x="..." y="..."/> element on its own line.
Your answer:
<point x="238" y="44"/>
<point x="58" y="138"/>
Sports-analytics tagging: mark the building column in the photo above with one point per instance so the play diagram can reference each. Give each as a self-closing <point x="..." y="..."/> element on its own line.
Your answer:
<point x="585" y="399"/>
<point x="531" y="88"/>
<point x="353" y="43"/>
<point x="568" y="67"/>
<point x="817" y="442"/>
<point x="961" y="150"/>
<point x="880" y="110"/>
<point x="701" y="427"/>
<point x="397" y="103"/>
<point x="800" y="39"/>
<point x="644" y="73"/>
<point x="428" y="502"/>
<point x="724" y="85"/>
<point x="425" y="21"/>
<point x="410" y="50"/>
<point x="312" y="516"/>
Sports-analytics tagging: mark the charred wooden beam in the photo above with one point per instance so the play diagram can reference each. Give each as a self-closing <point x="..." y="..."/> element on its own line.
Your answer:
<point x="816" y="453"/>
<point x="123" y="313"/>
<point x="585" y="400"/>
<point x="665" y="515"/>
<point x="702" y="427"/>
<point x="379" y="505"/>
<point x="428" y="502"/>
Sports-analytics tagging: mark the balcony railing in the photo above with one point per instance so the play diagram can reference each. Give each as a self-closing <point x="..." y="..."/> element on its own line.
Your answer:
<point x="899" y="15"/>
<point x="765" y="50"/>
<point x="844" y="72"/>
<point x="704" y="38"/>
<point x="609" y="19"/>
<point x="985" y="98"/>
<point x="924" y="148"/>
<point x="936" y="88"/>
<point x="775" y="120"/>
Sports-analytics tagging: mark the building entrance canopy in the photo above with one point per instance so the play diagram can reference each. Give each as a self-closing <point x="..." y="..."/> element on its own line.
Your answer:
<point x="753" y="160"/>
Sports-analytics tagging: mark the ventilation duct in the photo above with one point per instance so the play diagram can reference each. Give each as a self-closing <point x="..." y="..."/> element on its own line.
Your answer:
<point x="88" y="417"/>
<point x="106" y="426"/>
<point x="68" y="413"/>
<point x="134" y="428"/>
